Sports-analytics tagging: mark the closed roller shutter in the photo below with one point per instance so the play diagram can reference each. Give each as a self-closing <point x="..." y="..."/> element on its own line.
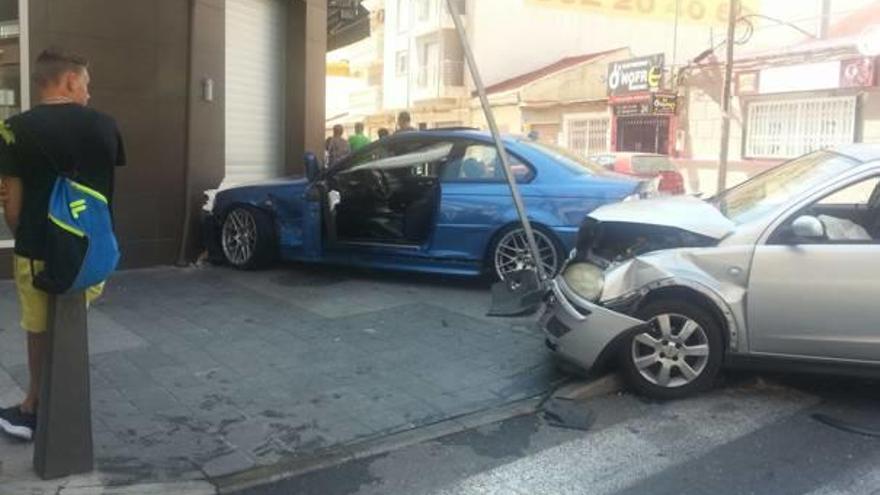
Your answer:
<point x="255" y="41"/>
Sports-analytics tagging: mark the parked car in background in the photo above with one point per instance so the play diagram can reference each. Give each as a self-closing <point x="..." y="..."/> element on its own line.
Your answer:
<point x="644" y="166"/>
<point x="781" y="270"/>
<point x="432" y="201"/>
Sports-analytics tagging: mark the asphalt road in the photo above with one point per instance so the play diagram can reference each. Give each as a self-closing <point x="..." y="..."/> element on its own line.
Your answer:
<point x="754" y="435"/>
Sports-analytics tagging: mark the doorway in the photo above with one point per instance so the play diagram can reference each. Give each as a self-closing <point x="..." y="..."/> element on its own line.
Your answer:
<point x="643" y="134"/>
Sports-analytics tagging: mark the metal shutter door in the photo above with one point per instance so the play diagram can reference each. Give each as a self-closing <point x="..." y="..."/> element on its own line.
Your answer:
<point x="255" y="54"/>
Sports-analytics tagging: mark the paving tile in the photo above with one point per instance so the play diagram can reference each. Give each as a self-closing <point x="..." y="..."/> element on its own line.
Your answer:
<point x="218" y="370"/>
<point x="230" y="463"/>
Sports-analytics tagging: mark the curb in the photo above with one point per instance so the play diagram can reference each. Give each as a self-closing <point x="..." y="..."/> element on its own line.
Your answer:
<point x="265" y="475"/>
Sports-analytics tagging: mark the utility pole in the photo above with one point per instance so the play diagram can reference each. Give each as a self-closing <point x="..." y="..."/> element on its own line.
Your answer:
<point x="825" y="23"/>
<point x="725" y="96"/>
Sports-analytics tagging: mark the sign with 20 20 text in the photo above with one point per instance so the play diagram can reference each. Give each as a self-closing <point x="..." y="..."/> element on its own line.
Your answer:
<point x="713" y="12"/>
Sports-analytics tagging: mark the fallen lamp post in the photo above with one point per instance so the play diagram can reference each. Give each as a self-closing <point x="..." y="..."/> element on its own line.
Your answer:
<point x="521" y="291"/>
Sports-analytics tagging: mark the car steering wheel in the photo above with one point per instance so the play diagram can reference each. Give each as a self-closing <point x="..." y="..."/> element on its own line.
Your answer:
<point x="380" y="185"/>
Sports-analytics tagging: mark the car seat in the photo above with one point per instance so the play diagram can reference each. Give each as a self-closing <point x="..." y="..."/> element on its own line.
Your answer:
<point x="473" y="169"/>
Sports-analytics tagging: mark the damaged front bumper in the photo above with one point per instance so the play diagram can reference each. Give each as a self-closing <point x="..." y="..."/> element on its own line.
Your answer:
<point x="582" y="332"/>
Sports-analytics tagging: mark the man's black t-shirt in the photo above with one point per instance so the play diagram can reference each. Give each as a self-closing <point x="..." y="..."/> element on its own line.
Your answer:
<point x="82" y="142"/>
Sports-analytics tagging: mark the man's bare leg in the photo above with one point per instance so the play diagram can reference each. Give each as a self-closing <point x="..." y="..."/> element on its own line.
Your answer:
<point x="37" y="344"/>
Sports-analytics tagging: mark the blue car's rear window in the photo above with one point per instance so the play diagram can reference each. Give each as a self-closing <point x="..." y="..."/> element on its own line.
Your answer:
<point x="574" y="163"/>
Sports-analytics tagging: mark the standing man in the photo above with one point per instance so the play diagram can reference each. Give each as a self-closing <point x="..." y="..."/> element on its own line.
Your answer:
<point x="359" y="140"/>
<point x="404" y="123"/>
<point x="337" y="147"/>
<point x="58" y="133"/>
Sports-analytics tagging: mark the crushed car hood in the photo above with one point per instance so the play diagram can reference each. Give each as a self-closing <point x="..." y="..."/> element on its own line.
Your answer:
<point x="683" y="212"/>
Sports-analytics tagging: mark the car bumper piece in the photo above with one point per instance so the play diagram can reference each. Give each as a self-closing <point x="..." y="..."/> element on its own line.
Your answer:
<point x="578" y="330"/>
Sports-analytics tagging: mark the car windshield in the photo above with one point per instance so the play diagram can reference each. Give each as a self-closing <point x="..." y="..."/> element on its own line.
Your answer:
<point x="573" y="162"/>
<point x="765" y="192"/>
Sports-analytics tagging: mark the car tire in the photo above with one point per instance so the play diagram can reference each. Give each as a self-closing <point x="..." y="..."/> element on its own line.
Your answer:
<point x="664" y="363"/>
<point x="515" y="234"/>
<point x="247" y="238"/>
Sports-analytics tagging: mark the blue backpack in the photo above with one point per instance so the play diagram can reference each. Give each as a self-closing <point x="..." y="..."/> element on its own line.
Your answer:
<point x="81" y="249"/>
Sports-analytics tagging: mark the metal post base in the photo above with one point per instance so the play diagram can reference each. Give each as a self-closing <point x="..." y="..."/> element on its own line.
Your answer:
<point x="63" y="444"/>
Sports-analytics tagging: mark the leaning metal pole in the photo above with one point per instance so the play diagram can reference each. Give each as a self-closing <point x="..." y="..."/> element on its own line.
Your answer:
<point x="499" y="145"/>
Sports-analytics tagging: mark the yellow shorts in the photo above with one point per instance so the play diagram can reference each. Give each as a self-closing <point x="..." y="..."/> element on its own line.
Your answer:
<point x="34" y="302"/>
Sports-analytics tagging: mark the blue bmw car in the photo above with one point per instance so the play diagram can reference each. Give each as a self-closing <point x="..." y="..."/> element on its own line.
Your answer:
<point x="431" y="201"/>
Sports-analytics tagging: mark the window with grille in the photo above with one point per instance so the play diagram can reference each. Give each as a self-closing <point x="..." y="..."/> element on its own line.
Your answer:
<point x="787" y="129"/>
<point x="587" y="135"/>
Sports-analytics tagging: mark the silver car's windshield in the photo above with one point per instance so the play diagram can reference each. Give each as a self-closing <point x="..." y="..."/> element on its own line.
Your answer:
<point x="765" y="192"/>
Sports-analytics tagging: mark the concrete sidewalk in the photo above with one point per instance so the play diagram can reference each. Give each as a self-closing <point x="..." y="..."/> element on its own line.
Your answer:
<point x="204" y="372"/>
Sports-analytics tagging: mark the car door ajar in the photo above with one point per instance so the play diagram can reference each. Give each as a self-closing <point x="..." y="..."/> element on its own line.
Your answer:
<point x="820" y="298"/>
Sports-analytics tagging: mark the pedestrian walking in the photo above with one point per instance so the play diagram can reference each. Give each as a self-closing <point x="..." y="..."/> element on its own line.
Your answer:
<point x="60" y="135"/>
<point x="337" y="147"/>
<point x="404" y="122"/>
<point x="358" y="140"/>
<point x="383" y="133"/>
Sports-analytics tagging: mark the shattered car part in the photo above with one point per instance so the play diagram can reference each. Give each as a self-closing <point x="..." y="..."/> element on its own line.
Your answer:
<point x="738" y="266"/>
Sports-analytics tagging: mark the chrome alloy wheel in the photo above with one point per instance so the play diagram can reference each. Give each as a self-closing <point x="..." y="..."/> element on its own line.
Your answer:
<point x="239" y="237"/>
<point x="673" y="353"/>
<point x="512" y="253"/>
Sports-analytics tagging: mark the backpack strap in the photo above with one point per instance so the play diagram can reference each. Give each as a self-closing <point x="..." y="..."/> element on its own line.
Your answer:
<point x="60" y="172"/>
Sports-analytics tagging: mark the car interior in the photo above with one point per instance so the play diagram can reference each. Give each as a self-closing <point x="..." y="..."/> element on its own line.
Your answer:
<point x="851" y="214"/>
<point x="388" y="194"/>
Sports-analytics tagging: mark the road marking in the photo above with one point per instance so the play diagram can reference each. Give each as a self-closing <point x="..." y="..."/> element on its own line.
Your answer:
<point x="615" y="458"/>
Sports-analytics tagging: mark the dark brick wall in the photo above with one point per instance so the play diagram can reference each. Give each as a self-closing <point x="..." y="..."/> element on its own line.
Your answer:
<point x="140" y="64"/>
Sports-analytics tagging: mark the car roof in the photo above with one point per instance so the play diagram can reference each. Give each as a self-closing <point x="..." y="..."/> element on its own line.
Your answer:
<point x="859" y="151"/>
<point x="454" y="133"/>
<point x="627" y="154"/>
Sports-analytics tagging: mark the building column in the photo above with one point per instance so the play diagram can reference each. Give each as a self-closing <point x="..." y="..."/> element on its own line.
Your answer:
<point x="306" y="79"/>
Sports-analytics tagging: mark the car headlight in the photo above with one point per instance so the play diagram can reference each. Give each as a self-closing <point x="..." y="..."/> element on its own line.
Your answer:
<point x="585" y="279"/>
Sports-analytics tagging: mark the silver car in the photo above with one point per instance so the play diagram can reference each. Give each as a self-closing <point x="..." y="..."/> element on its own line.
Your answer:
<point x="782" y="269"/>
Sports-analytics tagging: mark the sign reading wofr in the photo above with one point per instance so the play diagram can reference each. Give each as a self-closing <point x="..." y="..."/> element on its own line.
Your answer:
<point x="713" y="12"/>
<point x="635" y="75"/>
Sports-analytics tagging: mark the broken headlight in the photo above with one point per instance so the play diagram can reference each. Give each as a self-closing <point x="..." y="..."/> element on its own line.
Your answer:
<point x="585" y="279"/>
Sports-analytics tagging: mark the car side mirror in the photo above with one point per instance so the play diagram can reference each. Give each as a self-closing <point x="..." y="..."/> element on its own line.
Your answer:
<point x="313" y="168"/>
<point x="808" y="227"/>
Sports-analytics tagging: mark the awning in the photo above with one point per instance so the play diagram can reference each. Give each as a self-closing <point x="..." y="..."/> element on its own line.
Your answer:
<point x="347" y="22"/>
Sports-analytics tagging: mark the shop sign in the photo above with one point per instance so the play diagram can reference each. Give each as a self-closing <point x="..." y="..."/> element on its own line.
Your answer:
<point x="662" y="104"/>
<point x="835" y="74"/>
<point x="635" y="75"/>
<point x="705" y="12"/>
<point x="629" y="109"/>
<point x="857" y="73"/>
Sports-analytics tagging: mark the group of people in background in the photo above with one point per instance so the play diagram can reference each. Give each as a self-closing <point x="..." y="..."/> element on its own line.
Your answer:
<point x="338" y="147"/>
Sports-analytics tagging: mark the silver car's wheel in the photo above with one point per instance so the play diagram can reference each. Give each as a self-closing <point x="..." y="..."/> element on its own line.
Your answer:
<point x="673" y="353"/>
<point x="239" y="237"/>
<point x="512" y="253"/>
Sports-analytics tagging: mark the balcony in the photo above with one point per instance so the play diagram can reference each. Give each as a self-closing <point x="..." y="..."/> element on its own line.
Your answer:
<point x="441" y="81"/>
<point x="437" y="19"/>
<point x="365" y="102"/>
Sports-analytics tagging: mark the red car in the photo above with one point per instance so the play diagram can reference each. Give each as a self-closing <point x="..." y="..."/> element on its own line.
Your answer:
<point x="644" y="165"/>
